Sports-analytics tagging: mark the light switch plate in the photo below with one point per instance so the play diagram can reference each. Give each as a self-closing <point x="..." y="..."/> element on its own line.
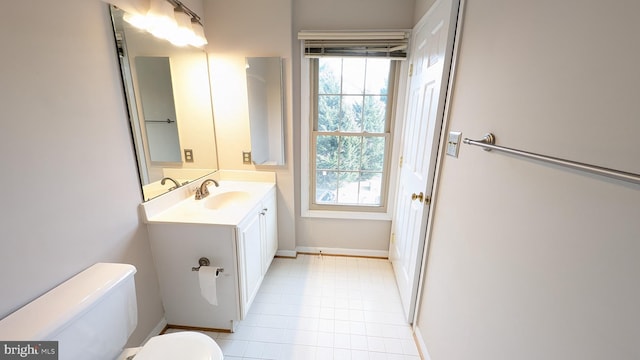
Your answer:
<point x="453" y="144"/>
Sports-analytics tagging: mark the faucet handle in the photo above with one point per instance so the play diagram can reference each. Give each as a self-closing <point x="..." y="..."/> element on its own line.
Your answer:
<point x="198" y="194"/>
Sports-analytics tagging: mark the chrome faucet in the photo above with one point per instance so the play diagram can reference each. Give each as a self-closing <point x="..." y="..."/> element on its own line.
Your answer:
<point x="202" y="192"/>
<point x="164" y="180"/>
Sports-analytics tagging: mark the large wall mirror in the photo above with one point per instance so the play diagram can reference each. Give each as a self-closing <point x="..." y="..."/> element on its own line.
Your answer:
<point x="169" y="98"/>
<point x="266" y="109"/>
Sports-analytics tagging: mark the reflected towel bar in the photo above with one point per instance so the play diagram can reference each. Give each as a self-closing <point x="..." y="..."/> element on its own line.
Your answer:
<point x="168" y="121"/>
<point x="488" y="144"/>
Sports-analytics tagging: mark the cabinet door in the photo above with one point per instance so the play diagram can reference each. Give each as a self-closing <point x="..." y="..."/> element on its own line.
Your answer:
<point x="250" y="256"/>
<point x="270" y="230"/>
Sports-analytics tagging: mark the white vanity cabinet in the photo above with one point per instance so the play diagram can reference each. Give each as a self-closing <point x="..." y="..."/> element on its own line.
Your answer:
<point x="257" y="243"/>
<point x="270" y="225"/>
<point x="241" y="238"/>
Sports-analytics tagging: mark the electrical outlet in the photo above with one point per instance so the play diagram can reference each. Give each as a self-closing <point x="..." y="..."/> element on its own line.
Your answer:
<point x="188" y="155"/>
<point x="246" y="157"/>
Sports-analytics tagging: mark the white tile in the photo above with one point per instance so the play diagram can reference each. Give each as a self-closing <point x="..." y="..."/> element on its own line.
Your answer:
<point x="342" y="327"/>
<point x="232" y="347"/>
<point x="299" y="352"/>
<point x="409" y="348"/>
<point x="272" y="351"/>
<point x="271" y="321"/>
<point x="326" y="325"/>
<point x="356" y="304"/>
<point x="268" y="335"/>
<point x="397" y="331"/>
<point x="211" y="334"/>
<point x="342" y="341"/>
<point x="376" y="344"/>
<point x="325" y="339"/>
<point x="254" y="350"/>
<point x="374" y="317"/>
<point x="341" y="354"/>
<point x="359" y="342"/>
<point x="328" y="302"/>
<point x="342" y="314"/>
<point x="310" y="311"/>
<point x="377" y="356"/>
<point x="268" y="297"/>
<point x="242" y="333"/>
<point x="301" y="337"/>
<point x="359" y="355"/>
<point x="342" y="303"/>
<point x="327" y="313"/>
<point x="302" y="323"/>
<point x="374" y="329"/>
<point x="356" y="315"/>
<point x="393" y="346"/>
<point x="357" y="328"/>
<point x="324" y="353"/>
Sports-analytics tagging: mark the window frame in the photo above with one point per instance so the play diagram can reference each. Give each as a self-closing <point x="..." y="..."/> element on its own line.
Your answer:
<point x="309" y="80"/>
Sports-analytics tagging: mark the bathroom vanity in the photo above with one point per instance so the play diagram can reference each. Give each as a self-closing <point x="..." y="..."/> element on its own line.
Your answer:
<point x="235" y="228"/>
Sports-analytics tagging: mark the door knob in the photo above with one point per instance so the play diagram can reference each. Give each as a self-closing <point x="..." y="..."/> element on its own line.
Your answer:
<point x="420" y="197"/>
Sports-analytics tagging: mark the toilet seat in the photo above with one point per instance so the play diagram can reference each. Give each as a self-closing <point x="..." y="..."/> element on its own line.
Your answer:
<point x="187" y="345"/>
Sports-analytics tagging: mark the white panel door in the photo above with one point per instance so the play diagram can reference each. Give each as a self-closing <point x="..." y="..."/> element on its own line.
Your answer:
<point x="430" y="59"/>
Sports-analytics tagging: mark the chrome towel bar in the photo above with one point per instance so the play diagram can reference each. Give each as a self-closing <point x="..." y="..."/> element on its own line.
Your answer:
<point x="488" y="144"/>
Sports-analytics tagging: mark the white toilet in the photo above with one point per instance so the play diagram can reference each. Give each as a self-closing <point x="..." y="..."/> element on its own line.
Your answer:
<point x="93" y="314"/>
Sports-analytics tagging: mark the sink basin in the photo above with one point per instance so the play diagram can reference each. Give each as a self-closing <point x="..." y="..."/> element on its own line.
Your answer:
<point x="225" y="199"/>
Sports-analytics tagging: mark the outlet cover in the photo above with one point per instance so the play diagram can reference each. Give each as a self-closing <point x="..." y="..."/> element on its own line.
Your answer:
<point x="246" y="157"/>
<point x="188" y="155"/>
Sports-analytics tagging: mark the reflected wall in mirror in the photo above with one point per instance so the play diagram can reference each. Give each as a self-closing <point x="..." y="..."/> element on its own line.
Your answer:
<point x="266" y="109"/>
<point x="169" y="98"/>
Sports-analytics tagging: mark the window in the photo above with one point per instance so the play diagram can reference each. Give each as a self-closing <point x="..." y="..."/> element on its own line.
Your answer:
<point x="351" y="122"/>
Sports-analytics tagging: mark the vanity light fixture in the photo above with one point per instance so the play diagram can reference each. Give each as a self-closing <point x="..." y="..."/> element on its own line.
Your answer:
<point x="183" y="33"/>
<point x="198" y="31"/>
<point x="170" y="20"/>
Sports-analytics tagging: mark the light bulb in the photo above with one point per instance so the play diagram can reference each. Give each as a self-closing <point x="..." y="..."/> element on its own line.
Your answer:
<point x="183" y="33"/>
<point x="162" y="22"/>
<point x="137" y="20"/>
<point x="198" y="34"/>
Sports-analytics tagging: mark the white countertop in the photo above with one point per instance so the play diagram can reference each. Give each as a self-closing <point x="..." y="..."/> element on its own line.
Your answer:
<point x="227" y="204"/>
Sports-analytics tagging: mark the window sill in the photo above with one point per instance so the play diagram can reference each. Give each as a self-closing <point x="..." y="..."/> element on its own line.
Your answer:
<point x="352" y="215"/>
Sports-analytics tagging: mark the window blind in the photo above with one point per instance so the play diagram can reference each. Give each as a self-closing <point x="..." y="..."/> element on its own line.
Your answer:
<point x="388" y="44"/>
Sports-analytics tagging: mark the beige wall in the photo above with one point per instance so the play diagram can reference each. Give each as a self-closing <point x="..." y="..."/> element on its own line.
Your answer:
<point x="341" y="15"/>
<point x="69" y="188"/>
<point x="421" y="8"/>
<point x="526" y="260"/>
<point x="235" y="30"/>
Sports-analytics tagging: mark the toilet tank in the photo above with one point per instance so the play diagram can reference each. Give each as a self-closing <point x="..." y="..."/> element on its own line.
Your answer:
<point x="91" y="315"/>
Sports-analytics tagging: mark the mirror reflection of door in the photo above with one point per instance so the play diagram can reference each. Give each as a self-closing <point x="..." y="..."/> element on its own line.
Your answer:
<point x="158" y="108"/>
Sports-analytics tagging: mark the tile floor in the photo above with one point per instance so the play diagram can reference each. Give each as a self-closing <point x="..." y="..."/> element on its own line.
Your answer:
<point x="323" y="307"/>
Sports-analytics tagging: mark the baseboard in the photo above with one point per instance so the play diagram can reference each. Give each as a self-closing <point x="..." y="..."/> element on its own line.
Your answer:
<point x="287" y="253"/>
<point x="422" y="347"/>
<point x="156" y="330"/>
<point x="384" y="254"/>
